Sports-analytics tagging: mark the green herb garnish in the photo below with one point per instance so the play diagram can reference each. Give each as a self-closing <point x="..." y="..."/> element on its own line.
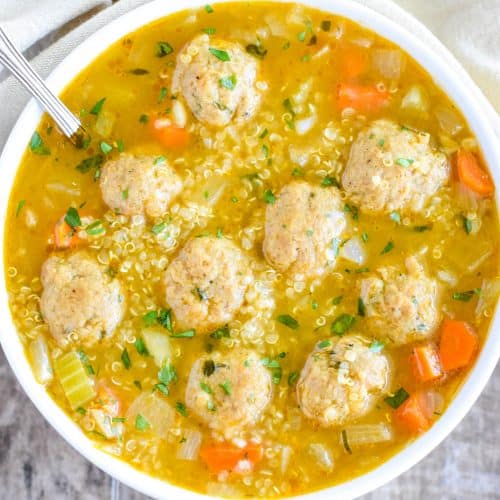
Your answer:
<point x="387" y="248"/>
<point x="397" y="399"/>
<point x="126" y="359"/>
<point x="228" y="82"/>
<point x="72" y="218"/>
<point x="222" y="55"/>
<point x="342" y="324"/>
<point x="141" y="424"/>
<point x="289" y="321"/>
<point x="269" y="197"/>
<point x="181" y="408"/>
<point x="163" y="49"/>
<point x="97" y="107"/>
<point x="37" y="145"/>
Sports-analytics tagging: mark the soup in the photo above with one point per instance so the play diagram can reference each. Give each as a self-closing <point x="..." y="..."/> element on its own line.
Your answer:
<point x="271" y="264"/>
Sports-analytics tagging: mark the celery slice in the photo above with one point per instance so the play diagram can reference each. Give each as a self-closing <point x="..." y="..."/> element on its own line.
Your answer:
<point x="365" y="434"/>
<point x="77" y="385"/>
<point x="157" y="344"/>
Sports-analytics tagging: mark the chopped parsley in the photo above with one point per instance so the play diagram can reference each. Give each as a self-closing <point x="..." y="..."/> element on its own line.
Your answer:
<point x="376" y="346"/>
<point x="206" y="388"/>
<point x="297" y="172"/>
<point x="256" y="50"/>
<point x="345" y="442"/>
<point x="395" y="217"/>
<point x="226" y="387"/>
<point x="72" y="218"/>
<point x="163" y="49"/>
<point x="361" y="307"/>
<point x="397" y="399"/>
<point x="208" y="9"/>
<point x="228" y="82"/>
<point x="97" y="107"/>
<point x="220" y="333"/>
<point x="186" y="334"/>
<point x="263" y="133"/>
<point x="209" y="31"/>
<point x="208" y="367"/>
<point x="93" y="162"/>
<point x="269" y="197"/>
<point x="337" y="300"/>
<point x="20" y="206"/>
<point x="140" y="347"/>
<point x="466" y="296"/>
<point x="86" y="363"/>
<point x="144" y="119"/>
<point x="353" y="210"/>
<point x="330" y="181"/>
<point x="105" y="147"/>
<point x="404" y="162"/>
<point x="202" y="294"/>
<point x="301" y="36"/>
<point x="324" y="343"/>
<point x="37" y="145"/>
<point x="387" y="248"/>
<point x="139" y="71"/>
<point x="162" y="388"/>
<point x="467" y="224"/>
<point x="162" y="95"/>
<point x="120" y="146"/>
<point x="289" y="321"/>
<point x="275" y="367"/>
<point x="326" y="25"/>
<point x="158" y="228"/>
<point x="167" y="374"/>
<point x="165" y="319"/>
<point x="293" y="377"/>
<point x="287" y="104"/>
<point x="81" y="411"/>
<point x="181" y="408"/>
<point x="421" y="229"/>
<point x="158" y="160"/>
<point x="126" y="359"/>
<point x="222" y="55"/>
<point x="342" y="324"/>
<point x="118" y="420"/>
<point x="150" y="318"/>
<point x="364" y="237"/>
<point x="141" y="424"/>
<point x="265" y="150"/>
<point x="125" y="194"/>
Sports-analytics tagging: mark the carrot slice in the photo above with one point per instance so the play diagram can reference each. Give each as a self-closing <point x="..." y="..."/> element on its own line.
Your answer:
<point x="65" y="236"/>
<point x="225" y="457"/>
<point x="458" y="344"/>
<point x="411" y="415"/>
<point x="472" y="175"/>
<point x="353" y="61"/>
<point x="424" y="360"/>
<point x="364" y="98"/>
<point x="168" y="134"/>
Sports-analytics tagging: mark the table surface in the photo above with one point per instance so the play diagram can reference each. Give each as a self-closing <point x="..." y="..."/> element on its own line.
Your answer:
<point x="36" y="463"/>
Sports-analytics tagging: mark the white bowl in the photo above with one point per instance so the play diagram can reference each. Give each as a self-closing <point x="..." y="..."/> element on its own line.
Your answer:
<point x="11" y="157"/>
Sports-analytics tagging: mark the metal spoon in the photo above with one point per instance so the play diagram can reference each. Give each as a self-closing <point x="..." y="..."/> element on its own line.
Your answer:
<point x="12" y="59"/>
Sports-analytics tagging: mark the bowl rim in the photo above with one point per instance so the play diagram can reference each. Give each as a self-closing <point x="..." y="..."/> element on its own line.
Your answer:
<point x="69" y="68"/>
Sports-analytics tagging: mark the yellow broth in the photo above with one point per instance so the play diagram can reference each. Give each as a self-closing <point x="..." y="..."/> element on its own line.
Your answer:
<point x="244" y="161"/>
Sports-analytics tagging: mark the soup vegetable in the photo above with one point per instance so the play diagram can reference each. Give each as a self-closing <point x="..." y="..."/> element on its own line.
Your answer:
<point x="272" y="263"/>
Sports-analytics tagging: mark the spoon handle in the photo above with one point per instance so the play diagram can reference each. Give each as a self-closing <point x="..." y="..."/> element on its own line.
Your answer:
<point x="13" y="60"/>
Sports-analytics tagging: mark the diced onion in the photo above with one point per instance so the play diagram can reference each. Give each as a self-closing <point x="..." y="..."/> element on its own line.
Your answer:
<point x="389" y="63"/>
<point x="353" y="251"/>
<point x="299" y="156"/>
<point x="223" y="490"/>
<point x="210" y="191"/>
<point x="415" y="99"/>
<point x="39" y="354"/>
<point x="105" y="424"/>
<point x="286" y="453"/>
<point x="158" y="345"/>
<point x="488" y="299"/>
<point x="189" y="448"/>
<point x="305" y="125"/>
<point x="179" y="113"/>
<point x="322" y="455"/>
<point x="447" y="277"/>
<point x="364" y="434"/>
<point x="276" y="26"/>
<point x="448" y="119"/>
<point x="59" y="187"/>
<point x="159" y="414"/>
<point x="433" y="403"/>
<point x="105" y="123"/>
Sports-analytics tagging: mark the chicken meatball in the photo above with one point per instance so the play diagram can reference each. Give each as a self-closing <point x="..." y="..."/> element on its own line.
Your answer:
<point x="79" y="299"/>
<point x="229" y="392"/>
<point x="142" y="185"/>
<point x="301" y="228"/>
<point x="206" y="283"/>
<point x="217" y="79"/>
<point x="400" y="307"/>
<point x="393" y="168"/>
<point x="341" y="380"/>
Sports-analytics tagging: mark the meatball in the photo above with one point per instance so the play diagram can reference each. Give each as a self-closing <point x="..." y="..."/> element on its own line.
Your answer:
<point x="80" y="299"/>
<point x="206" y="283"/>
<point x="142" y="185"/>
<point x="400" y="307"/>
<point x="341" y="380"/>
<point x="229" y="392"/>
<point x="301" y="228"/>
<point x="217" y="80"/>
<point x="393" y="168"/>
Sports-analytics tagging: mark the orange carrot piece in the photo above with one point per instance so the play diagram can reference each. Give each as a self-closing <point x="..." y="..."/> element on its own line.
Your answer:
<point x="424" y="360"/>
<point x="353" y="61"/>
<point x="225" y="457"/>
<point x="472" y="175"/>
<point x="364" y="98"/>
<point x="168" y="134"/>
<point x="411" y="415"/>
<point x="65" y="236"/>
<point x="458" y="344"/>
